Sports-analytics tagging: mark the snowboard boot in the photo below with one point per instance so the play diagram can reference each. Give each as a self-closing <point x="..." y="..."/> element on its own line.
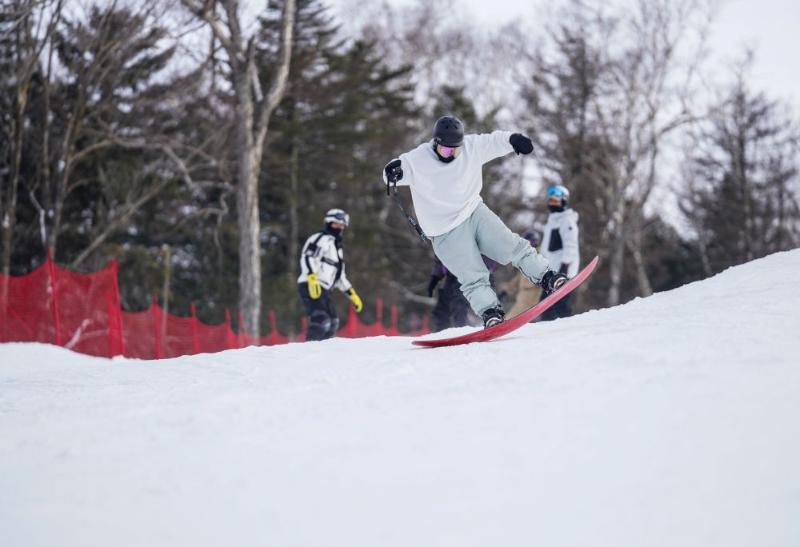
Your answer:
<point x="551" y="281"/>
<point x="493" y="316"/>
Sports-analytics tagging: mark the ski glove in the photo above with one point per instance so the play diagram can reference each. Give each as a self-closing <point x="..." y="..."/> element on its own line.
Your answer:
<point x="552" y="281"/>
<point x="392" y="173"/>
<point x="351" y="294"/>
<point x="314" y="288"/>
<point x="432" y="284"/>
<point x="521" y="144"/>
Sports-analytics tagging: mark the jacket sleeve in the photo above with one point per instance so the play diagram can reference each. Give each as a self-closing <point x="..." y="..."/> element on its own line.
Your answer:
<point x="408" y="170"/>
<point x="343" y="284"/>
<point x="493" y="145"/>
<point x="308" y="259"/>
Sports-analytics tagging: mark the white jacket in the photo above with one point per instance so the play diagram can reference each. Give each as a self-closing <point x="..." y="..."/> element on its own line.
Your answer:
<point x="323" y="255"/>
<point x="560" y="241"/>
<point x="446" y="194"/>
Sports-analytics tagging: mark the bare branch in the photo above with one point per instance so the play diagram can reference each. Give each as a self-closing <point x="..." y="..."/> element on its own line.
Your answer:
<point x="276" y="90"/>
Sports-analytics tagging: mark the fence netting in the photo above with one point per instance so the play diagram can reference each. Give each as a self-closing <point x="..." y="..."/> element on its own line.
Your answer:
<point x="82" y="312"/>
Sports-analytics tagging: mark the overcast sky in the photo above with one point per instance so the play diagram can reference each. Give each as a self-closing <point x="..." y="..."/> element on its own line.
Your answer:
<point x="770" y="27"/>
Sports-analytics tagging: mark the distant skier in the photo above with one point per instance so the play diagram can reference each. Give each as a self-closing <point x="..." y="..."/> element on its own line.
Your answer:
<point x="445" y="178"/>
<point x="321" y="270"/>
<point x="560" y="245"/>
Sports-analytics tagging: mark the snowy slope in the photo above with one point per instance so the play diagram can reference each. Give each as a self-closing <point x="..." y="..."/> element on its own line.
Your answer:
<point x="670" y="421"/>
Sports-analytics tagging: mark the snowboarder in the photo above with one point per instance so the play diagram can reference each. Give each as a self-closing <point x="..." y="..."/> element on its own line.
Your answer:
<point x="525" y="293"/>
<point x="321" y="270"/>
<point x="445" y="179"/>
<point x="560" y="245"/>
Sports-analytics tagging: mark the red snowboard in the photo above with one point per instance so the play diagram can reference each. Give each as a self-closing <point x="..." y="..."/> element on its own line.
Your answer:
<point x="515" y="322"/>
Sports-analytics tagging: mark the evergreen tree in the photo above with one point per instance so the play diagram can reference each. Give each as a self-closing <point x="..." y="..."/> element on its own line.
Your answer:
<point x="342" y="117"/>
<point x="741" y="194"/>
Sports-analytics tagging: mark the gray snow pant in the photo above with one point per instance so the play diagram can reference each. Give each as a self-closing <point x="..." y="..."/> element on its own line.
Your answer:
<point x="483" y="233"/>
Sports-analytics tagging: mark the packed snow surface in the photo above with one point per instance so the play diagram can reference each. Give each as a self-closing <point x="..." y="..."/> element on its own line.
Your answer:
<point x="673" y="420"/>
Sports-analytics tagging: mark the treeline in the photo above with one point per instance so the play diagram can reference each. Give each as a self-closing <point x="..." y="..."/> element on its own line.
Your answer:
<point x="199" y="146"/>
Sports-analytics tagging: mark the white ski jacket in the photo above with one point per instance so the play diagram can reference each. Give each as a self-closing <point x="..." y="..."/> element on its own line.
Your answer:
<point x="446" y="194"/>
<point x="322" y="254"/>
<point x="560" y="241"/>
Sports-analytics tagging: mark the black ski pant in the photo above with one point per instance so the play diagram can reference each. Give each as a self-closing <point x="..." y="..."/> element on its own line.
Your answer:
<point x="322" y="319"/>
<point x="562" y="308"/>
<point x="451" y="305"/>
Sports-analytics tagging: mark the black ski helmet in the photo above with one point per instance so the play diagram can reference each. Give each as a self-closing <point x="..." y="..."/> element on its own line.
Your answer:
<point x="448" y="131"/>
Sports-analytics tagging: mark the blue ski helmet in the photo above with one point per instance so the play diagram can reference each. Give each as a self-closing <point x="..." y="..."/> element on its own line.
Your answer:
<point x="558" y="191"/>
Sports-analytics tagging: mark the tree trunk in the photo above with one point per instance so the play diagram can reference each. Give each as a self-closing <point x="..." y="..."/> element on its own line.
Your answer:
<point x="645" y="287"/>
<point x="253" y="111"/>
<point x="247" y="219"/>
<point x="616" y="265"/>
<point x="294" y="228"/>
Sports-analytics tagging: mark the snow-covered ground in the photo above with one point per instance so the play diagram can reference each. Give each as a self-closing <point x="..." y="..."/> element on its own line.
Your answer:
<point x="670" y="421"/>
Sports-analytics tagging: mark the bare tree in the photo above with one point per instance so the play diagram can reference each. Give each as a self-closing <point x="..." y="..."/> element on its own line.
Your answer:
<point x="602" y="115"/>
<point x="446" y="47"/>
<point x="253" y="111"/>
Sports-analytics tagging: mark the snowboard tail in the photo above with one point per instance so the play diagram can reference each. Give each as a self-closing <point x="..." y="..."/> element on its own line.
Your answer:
<point x="514" y="323"/>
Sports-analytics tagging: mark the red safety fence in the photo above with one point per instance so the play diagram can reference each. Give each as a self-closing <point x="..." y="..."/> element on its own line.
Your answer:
<point x="83" y="313"/>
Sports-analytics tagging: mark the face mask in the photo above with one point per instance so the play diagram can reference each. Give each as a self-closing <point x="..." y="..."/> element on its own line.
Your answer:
<point x="446" y="154"/>
<point x="335" y="232"/>
<point x="556" y="208"/>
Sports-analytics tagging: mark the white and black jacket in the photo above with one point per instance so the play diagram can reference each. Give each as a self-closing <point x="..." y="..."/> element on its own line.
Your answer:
<point x="560" y="242"/>
<point x="322" y="254"/>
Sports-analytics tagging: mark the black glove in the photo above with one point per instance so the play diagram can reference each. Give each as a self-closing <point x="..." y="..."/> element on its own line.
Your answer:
<point x="393" y="173"/>
<point x="551" y="281"/>
<point x="564" y="268"/>
<point x="521" y="144"/>
<point x="432" y="284"/>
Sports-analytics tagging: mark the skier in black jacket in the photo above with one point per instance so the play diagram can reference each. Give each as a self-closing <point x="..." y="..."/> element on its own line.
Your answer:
<point x="321" y="270"/>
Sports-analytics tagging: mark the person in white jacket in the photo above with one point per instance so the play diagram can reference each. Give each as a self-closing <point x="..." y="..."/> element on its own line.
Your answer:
<point x="445" y="179"/>
<point x="560" y="245"/>
<point x="322" y="270"/>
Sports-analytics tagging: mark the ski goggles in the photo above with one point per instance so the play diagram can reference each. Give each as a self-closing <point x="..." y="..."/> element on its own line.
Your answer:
<point x="338" y="216"/>
<point x="555" y="191"/>
<point x="447" y="151"/>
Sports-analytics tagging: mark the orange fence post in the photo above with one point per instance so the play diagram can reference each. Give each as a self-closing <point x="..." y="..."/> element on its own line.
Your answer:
<point x="195" y="341"/>
<point x="243" y="341"/>
<point x="273" y="327"/>
<point x="117" y="309"/>
<point x="231" y="335"/>
<point x="157" y="327"/>
<point x="51" y="265"/>
<point x="112" y="342"/>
